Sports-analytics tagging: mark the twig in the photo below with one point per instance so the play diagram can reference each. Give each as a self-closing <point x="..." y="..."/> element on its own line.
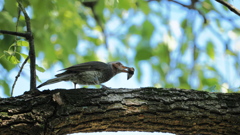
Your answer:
<point x="15" y="46"/>
<point x="31" y="49"/>
<point x="191" y="7"/>
<point x="101" y="26"/>
<point x="229" y="6"/>
<point x="18" y="75"/>
<point x="14" y="33"/>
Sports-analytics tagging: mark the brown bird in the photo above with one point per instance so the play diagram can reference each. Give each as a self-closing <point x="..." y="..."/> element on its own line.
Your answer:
<point x="91" y="73"/>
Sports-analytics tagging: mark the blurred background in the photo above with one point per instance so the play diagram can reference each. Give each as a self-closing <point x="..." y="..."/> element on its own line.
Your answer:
<point x="189" y="44"/>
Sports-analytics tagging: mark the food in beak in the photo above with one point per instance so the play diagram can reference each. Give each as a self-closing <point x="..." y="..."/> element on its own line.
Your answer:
<point x="130" y="73"/>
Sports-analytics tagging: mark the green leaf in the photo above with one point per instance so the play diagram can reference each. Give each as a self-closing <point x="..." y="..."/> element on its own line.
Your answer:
<point x="159" y="69"/>
<point x="6" y="65"/>
<point x="11" y="7"/>
<point x="144" y="53"/>
<point x="134" y="29"/>
<point x="23" y="55"/>
<point x="126" y="4"/>
<point x="37" y="78"/>
<point x="6" y="21"/>
<point x="200" y="76"/>
<point x="184" y="23"/>
<point x="211" y="68"/>
<point x="11" y="57"/>
<point x="184" y="82"/>
<point x="210" y="50"/>
<point x="209" y="81"/>
<point x="162" y="51"/>
<point x="41" y="69"/>
<point x="184" y="47"/>
<point x="206" y="6"/>
<point x="7" y="53"/>
<point x="188" y="32"/>
<point x="143" y="5"/>
<point x="229" y="52"/>
<point x="99" y="10"/>
<point x="147" y="30"/>
<point x="6" y="88"/>
<point x="196" y="54"/>
<point x="22" y="43"/>
<point x="236" y="31"/>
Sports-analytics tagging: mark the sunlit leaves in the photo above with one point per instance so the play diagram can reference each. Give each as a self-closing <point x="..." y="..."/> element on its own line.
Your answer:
<point x="11" y="57"/>
<point x="59" y="21"/>
<point x="22" y="43"/>
<point x="12" y="54"/>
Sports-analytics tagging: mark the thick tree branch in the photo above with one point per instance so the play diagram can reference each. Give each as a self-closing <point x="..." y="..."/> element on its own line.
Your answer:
<point x="31" y="49"/>
<point x="146" y="109"/>
<point x="29" y="36"/>
<point x="229" y="6"/>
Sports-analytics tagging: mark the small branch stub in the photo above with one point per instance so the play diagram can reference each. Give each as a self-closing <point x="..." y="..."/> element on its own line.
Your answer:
<point x="57" y="98"/>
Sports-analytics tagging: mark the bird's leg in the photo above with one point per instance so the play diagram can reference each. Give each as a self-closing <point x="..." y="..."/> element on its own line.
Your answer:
<point x="96" y="81"/>
<point x="74" y="85"/>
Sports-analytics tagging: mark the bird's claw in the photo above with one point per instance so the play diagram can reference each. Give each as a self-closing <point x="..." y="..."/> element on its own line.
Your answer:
<point x="105" y="87"/>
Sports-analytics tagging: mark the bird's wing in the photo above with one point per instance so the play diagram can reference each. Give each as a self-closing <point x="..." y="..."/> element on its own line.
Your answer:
<point x="88" y="66"/>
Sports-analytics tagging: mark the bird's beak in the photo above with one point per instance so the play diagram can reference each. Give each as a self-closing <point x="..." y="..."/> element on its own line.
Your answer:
<point x="125" y="69"/>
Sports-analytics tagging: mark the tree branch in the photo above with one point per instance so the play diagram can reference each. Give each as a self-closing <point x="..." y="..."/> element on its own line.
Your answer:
<point x="147" y="109"/>
<point x="14" y="33"/>
<point x="31" y="49"/>
<point x="229" y="6"/>
<point x="19" y="72"/>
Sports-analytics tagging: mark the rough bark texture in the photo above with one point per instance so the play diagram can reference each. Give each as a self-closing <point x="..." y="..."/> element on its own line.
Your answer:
<point x="146" y="109"/>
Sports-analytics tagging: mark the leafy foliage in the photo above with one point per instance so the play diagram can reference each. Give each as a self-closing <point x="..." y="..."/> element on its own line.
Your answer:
<point x="187" y="45"/>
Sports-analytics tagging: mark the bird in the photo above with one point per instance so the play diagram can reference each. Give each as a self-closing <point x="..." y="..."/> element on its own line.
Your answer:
<point x="91" y="73"/>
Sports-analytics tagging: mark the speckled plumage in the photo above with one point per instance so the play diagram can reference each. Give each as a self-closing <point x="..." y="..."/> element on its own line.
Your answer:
<point x="89" y="73"/>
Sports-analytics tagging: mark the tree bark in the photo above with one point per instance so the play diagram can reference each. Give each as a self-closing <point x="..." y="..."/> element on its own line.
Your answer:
<point x="146" y="109"/>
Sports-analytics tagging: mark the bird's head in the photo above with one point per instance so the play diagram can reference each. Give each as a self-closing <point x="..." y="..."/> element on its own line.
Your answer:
<point x="119" y="68"/>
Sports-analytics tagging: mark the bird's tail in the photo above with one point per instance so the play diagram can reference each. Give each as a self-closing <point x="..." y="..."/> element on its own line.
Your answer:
<point x="51" y="81"/>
